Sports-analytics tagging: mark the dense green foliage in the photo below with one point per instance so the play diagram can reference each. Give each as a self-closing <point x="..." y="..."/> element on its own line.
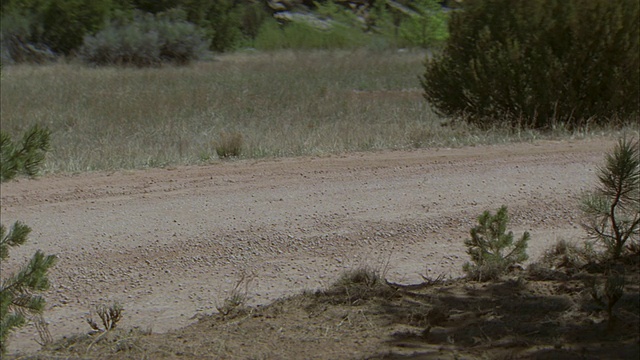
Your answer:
<point x="425" y="28"/>
<point x="613" y="209"/>
<point x="58" y="25"/>
<point x="24" y="157"/>
<point x="17" y="298"/>
<point x="488" y="243"/>
<point x="539" y="63"/>
<point x="146" y="40"/>
<point x="40" y="30"/>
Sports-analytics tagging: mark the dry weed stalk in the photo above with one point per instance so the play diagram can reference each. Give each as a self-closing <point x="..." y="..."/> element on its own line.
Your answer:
<point x="238" y="296"/>
<point x="43" y="330"/>
<point x="109" y="316"/>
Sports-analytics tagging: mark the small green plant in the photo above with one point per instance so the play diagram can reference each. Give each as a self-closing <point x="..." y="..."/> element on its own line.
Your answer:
<point x="18" y="296"/>
<point x="608" y="294"/>
<point x="229" y="144"/>
<point x="109" y="316"/>
<point x="613" y="209"/>
<point x="487" y="246"/>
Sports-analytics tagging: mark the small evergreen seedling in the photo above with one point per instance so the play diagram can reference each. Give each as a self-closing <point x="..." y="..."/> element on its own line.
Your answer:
<point x="488" y="244"/>
<point x="17" y="298"/>
<point x="16" y="292"/>
<point x="613" y="209"/>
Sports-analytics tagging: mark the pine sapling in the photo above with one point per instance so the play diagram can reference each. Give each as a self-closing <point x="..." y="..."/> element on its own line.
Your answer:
<point x="613" y="208"/>
<point x="17" y="291"/>
<point x="491" y="248"/>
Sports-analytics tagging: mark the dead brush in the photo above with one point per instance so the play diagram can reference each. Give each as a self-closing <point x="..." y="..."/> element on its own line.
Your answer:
<point x="564" y="254"/>
<point x="109" y="316"/>
<point x="357" y="285"/>
<point x="238" y="297"/>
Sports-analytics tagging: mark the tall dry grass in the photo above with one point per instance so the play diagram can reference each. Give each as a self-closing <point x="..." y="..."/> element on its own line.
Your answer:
<point x="282" y="104"/>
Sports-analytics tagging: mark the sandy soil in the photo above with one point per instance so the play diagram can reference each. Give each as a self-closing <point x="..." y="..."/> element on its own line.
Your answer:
<point x="170" y="244"/>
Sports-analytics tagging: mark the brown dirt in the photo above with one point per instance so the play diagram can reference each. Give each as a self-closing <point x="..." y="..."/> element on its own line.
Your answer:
<point x="170" y="244"/>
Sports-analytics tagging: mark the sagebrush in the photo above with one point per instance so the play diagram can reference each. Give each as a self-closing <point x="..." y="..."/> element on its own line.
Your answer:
<point x="146" y="40"/>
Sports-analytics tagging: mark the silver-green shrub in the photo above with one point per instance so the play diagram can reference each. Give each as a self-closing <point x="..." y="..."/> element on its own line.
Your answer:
<point x="146" y="40"/>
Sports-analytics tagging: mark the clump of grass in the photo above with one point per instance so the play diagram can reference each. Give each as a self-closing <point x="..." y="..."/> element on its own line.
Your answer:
<point x="562" y="259"/>
<point x="236" y="302"/>
<point x="229" y="144"/>
<point x="108" y="344"/>
<point x="355" y="286"/>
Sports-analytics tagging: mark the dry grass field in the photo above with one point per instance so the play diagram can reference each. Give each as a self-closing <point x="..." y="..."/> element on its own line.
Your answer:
<point x="278" y="104"/>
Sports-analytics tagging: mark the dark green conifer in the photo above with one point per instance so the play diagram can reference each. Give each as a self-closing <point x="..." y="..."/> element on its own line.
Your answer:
<point x="488" y="243"/>
<point x="613" y="209"/>
<point x="18" y="298"/>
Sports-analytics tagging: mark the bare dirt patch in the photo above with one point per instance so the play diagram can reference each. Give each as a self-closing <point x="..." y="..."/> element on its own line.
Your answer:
<point x="170" y="244"/>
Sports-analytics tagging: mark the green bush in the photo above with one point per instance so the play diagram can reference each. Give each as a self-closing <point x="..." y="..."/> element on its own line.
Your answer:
<point x="488" y="242"/>
<point x="539" y="63"/>
<point x="252" y="16"/>
<point x="18" y="41"/>
<point x="270" y="36"/>
<point x="227" y="23"/>
<point x="17" y="291"/>
<point x="58" y="25"/>
<point x="147" y="40"/>
<point x="613" y="209"/>
<point x="66" y="22"/>
<point x="427" y="27"/>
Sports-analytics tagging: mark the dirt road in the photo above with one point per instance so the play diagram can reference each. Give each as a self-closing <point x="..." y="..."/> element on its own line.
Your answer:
<point x="170" y="244"/>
